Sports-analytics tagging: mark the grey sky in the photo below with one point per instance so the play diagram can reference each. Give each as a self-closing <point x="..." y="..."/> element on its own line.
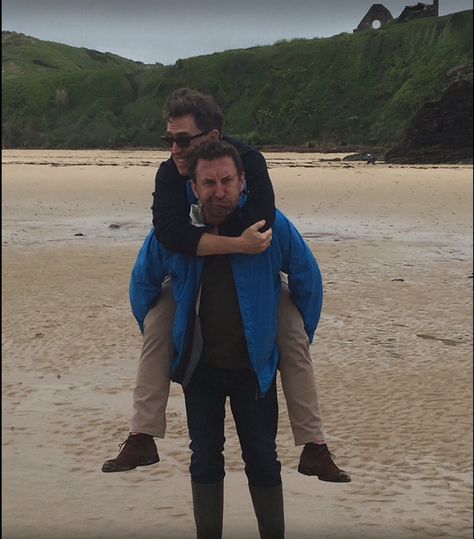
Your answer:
<point x="159" y="31"/>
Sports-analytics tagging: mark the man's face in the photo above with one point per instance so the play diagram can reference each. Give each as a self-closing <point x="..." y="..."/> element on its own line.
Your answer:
<point x="218" y="186"/>
<point x="186" y="126"/>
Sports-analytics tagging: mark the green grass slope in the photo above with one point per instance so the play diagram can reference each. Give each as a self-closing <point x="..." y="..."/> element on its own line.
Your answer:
<point x="351" y="89"/>
<point x="24" y="55"/>
<point x="55" y="95"/>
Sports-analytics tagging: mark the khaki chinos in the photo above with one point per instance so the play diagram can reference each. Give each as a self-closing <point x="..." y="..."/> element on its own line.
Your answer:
<point x="152" y="387"/>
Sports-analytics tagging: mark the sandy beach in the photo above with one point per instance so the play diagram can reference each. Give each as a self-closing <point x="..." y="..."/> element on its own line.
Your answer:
<point x="392" y="356"/>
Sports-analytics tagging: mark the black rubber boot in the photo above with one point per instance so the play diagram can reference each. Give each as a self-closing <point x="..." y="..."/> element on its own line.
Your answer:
<point x="208" y="503"/>
<point x="268" y="506"/>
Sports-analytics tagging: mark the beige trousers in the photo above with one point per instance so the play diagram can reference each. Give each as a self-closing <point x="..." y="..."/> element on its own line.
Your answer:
<point x="151" y="391"/>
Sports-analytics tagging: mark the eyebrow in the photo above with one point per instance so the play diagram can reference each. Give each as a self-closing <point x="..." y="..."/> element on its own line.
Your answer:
<point x="186" y="133"/>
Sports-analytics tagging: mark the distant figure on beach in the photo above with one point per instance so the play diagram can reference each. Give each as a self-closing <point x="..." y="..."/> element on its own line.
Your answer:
<point x="370" y="159"/>
<point x="225" y="332"/>
<point x="192" y="120"/>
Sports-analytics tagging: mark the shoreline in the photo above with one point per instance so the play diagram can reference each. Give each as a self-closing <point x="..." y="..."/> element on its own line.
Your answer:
<point x="358" y="152"/>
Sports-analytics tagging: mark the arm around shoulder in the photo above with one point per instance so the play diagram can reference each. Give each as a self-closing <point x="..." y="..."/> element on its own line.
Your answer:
<point x="171" y="212"/>
<point x="252" y="241"/>
<point x="261" y="197"/>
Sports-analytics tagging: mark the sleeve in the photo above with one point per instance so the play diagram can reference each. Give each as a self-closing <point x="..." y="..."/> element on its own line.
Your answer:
<point x="171" y="213"/>
<point x="260" y="202"/>
<point x="147" y="277"/>
<point x="304" y="276"/>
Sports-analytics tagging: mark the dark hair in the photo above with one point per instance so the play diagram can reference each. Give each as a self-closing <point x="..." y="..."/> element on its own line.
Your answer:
<point x="203" y="108"/>
<point x="214" y="149"/>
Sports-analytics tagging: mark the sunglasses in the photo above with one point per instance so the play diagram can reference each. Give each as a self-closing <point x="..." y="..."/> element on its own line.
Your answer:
<point x="183" y="141"/>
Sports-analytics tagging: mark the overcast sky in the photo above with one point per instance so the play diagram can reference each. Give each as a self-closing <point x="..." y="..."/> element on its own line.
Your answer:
<point x="158" y="31"/>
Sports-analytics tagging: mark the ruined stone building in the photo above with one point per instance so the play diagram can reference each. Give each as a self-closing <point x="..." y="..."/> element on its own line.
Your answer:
<point x="378" y="15"/>
<point x="419" y="11"/>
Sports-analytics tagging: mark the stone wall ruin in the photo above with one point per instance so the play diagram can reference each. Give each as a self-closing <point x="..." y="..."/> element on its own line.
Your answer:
<point x="378" y="15"/>
<point x="419" y="11"/>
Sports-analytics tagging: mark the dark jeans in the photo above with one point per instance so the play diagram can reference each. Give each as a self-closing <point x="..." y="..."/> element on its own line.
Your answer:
<point x="255" y="419"/>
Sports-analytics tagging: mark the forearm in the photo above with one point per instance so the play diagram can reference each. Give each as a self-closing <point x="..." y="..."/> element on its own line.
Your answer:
<point x="173" y="227"/>
<point x="211" y="244"/>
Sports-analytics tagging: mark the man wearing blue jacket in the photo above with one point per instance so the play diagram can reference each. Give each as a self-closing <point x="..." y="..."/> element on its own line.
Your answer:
<point x="192" y="119"/>
<point x="224" y="336"/>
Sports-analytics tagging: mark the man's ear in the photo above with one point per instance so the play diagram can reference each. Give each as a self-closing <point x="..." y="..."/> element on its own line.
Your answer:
<point x="215" y="134"/>
<point x="242" y="182"/>
<point x="193" y="187"/>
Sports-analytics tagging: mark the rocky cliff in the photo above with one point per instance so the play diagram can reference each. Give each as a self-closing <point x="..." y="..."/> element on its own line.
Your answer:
<point x="441" y="130"/>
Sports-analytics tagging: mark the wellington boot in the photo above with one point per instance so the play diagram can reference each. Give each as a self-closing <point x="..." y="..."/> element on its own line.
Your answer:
<point x="268" y="506"/>
<point x="208" y="503"/>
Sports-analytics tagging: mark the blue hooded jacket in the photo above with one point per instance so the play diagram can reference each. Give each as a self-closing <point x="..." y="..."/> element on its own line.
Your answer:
<point x="257" y="281"/>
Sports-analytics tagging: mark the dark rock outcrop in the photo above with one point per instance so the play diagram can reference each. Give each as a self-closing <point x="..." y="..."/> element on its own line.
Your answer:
<point x="441" y="130"/>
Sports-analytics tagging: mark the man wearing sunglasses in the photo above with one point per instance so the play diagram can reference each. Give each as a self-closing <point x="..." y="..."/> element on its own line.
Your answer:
<point x="193" y="119"/>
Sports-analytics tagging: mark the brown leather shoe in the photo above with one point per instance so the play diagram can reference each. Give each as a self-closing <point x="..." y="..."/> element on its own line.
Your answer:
<point x="317" y="460"/>
<point x="137" y="450"/>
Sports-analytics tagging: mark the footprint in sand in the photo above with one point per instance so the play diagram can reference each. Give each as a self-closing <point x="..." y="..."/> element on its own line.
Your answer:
<point x="449" y="342"/>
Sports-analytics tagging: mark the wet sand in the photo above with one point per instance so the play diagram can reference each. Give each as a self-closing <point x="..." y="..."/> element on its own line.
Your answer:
<point x="392" y="357"/>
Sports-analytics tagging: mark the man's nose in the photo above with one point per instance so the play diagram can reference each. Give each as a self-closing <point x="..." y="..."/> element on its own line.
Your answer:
<point x="219" y="191"/>
<point x="175" y="149"/>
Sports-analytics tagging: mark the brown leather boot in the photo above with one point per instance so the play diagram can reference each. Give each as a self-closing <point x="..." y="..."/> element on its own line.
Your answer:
<point x="316" y="459"/>
<point x="137" y="450"/>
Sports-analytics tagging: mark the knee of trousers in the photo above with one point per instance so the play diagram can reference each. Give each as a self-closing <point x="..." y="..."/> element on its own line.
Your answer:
<point x="207" y="448"/>
<point x="158" y="326"/>
<point x="290" y="320"/>
<point x="163" y="311"/>
<point x="262" y="466"/>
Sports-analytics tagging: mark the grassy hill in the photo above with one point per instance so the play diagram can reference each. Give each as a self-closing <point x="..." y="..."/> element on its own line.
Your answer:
<point x="350" y="89"/>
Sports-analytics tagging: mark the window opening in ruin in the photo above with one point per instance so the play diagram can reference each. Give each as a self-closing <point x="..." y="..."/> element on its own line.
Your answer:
<point x="376" y="25"/>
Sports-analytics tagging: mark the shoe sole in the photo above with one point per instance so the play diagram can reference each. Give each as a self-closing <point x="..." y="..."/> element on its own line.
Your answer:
<point x="308" y="471"/>
<point x="114" y="468"/>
